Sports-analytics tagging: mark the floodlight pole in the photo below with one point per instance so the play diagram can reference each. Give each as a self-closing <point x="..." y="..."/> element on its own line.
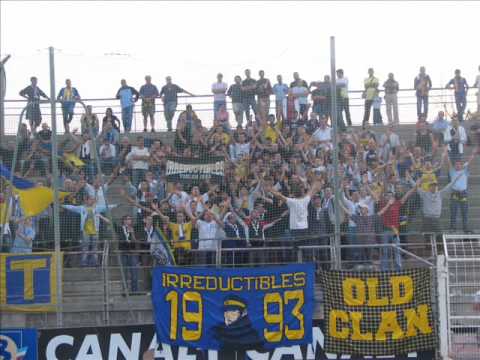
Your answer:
<point x="56" y="206"/>
<point x="3" y="91"/>
<point x="336" y="181"/>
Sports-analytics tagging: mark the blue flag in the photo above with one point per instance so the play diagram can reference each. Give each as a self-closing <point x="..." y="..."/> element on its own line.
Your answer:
<point x="234" y="309"/>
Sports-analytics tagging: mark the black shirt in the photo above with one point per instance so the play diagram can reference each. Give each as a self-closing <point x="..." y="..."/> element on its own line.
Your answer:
<point x="248" y="94"/>
<point x="235" y="93"/>
<point x="170" y="92"/>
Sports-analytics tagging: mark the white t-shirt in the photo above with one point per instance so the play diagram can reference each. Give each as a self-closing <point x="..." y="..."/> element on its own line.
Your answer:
<point x="298" y="209"/>
<point x="177" y="200"/>
<point x="301" y="93"/>
<point x="342" y="83"/>
<point x="207" y="232"/>
<point x="323" y="134"/>
<point x="138" y="164"/>
<point x="219" y="86"/>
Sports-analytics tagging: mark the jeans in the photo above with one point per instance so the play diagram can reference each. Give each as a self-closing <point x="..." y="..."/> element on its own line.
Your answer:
<point x="130" y="264"/>
<point x="356" y="255"/>
<point x="169" y="110"/>
<point x="137" y="176"/>
<point x="247" y="104"/>
<point x="67" y="115"/>
<point x="422" y="100"/>
<point x="456" y="204"/>
<point x="366" y="113"/>
<point x="322" y="109"/>
<point x="461" y="103"/>
<point x="217" y="105"/>
<point x="377" y="116"/>
<point x="89" y="247"/>
<point x="127" y="116"/>
<point x="389" y="237"/>
<point x="391" y="101"/>
<point x="344" y="105"/>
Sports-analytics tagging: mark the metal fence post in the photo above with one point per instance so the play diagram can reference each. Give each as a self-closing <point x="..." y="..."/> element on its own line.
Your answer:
<point x="442" y="306"/>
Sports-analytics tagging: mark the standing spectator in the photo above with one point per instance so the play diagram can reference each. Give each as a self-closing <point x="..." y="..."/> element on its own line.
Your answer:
<point x="439" y="126"/>
<point x="128" y="97"/>
<point x="110" y="117"/>
<point x="263" y="90"/>
<point x="127" y="244"/>
<point x="377" y="106"/>
<point x="90" y="215"/>
<point x="321" y="97"/>
<point x="89" y="120"/>
<point x="138" y="159"/>
<point x="298" y="209"/>
<point x="455" y="137"/>
<point x="33" y="93"/>
<point x="280" y="90"/>
<point x="107" y="154"/>
<point x="207" y="236"/>
<point x="24" y="236"/>
<point x="432" y="205"/>
<point x="148" y="92"/>
<point x="249" y="87"/>
<point x="169" y="93"/>
<point x="371" y="90"/>
<point x="460" y="87"/>
<point x="422" y="85"/>
<point x="300" y="93"/>
<point x="235" y="94"/>
<point x="68" y="96"/>
<point x="219" y="89"/>
<point x="459" y="196"/>
<point x="391" y="99"/>
<point x="477" y="85"/>
<point x="344" y="105"/>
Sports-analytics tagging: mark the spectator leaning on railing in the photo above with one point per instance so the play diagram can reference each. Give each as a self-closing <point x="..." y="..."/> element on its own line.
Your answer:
<point x="422" y="85"/>
<point x="148" y="93"/>
<point x="33" y="93"/>
<point x="460" y="88"/>
<point x="68" y="97"/>
<point x="128" y="97"/>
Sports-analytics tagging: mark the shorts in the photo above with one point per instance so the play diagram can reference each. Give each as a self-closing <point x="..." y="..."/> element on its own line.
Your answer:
<point x="237" y="107"/>
<point x="148" y="108"/>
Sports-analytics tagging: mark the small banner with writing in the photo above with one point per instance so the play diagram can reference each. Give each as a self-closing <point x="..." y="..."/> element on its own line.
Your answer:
<point x="28" y="282"/>
<point x="193" y="171"/>
<point x="234" y="309"/>
<point x="378" y="313"/>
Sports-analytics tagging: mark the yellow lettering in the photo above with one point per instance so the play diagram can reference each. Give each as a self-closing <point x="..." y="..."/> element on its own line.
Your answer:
<point x="249" y="280"/>
<point x="372" y="284"/>
<point x="236" y="279"/>
<point x="264" y="283"/>
<point x="351" y="297"/>
<point x="286" y="280"/>
<point x="417" y="321"/>
<point x="299" y="279"/>
<point x="398" y="283"/>
<point x="274" y="285"/>
<point x="335" y="317"/>
<point x="209" y="280"/>
<point x="356" y="318"/>
<point x="172" y="280"/>
<point x="186" y="281"/>
<point x="222" y="285"/>
<point x="389" y="324"/>
<point x="28" y="267"/>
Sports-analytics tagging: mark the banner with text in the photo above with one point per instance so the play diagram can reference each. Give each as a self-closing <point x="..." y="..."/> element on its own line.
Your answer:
<point x="378" y="313"/>
<point x="194" y="171"/>
<point x="28" y="282"/>
<point x="234" y="309"/>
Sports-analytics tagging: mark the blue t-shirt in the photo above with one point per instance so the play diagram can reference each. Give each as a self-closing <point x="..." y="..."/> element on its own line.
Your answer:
<point x="280" y="91"/>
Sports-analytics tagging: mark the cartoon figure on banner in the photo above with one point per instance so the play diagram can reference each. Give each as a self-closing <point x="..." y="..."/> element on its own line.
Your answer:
<point x="9" y="350"/>
<point x="237" y="331"/>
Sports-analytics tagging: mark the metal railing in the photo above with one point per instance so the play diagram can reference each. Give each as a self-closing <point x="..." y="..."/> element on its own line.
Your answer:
<point x="203" y="105"/>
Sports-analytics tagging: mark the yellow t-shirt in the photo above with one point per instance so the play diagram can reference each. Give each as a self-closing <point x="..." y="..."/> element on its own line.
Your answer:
<point x="269" y="133"/>
<point x="187" y="235"/>
<point x="371" y="85"/>
<point x="89" y="227"/>
<point x="428" y="178"/>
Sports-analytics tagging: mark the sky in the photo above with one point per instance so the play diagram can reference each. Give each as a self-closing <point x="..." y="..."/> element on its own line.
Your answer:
<point x="193" y="41"/>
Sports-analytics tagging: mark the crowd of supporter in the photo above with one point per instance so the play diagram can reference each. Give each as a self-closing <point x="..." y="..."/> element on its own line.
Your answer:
<point x="277" y="187"/>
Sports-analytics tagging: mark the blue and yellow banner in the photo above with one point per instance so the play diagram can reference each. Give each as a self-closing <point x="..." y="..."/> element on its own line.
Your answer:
<point x="33" y="199"/>
<point x="28" y="282"/>
<point x="234" y="309"/>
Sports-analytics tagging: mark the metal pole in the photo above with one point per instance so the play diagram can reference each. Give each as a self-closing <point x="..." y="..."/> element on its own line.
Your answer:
<point x="336" y="182"/>
<point x="3" y="91"/>
<point x="56" y="205"/>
